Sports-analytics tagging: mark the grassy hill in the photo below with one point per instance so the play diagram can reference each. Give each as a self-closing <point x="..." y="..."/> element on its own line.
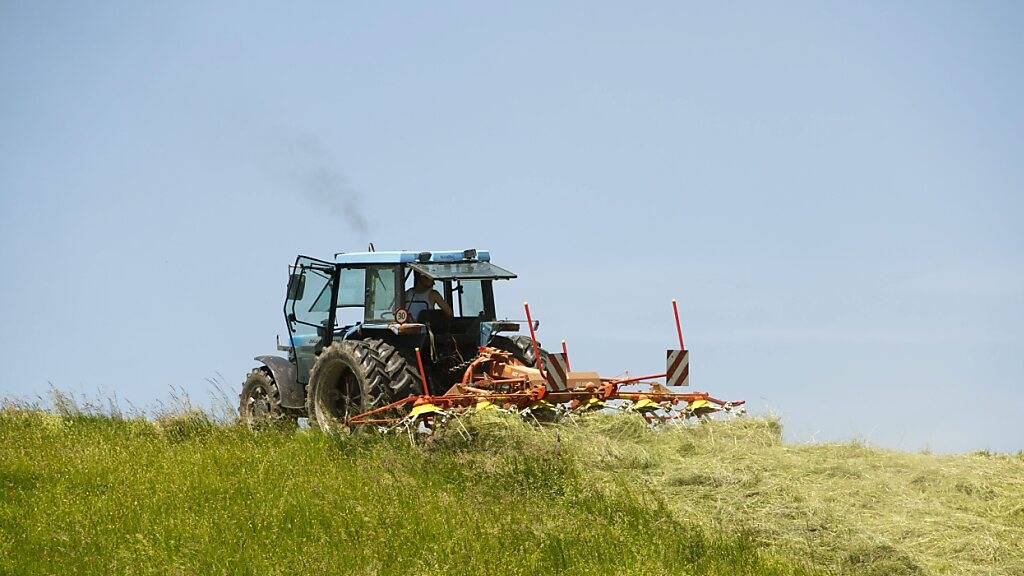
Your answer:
<point x="603" y="495"/>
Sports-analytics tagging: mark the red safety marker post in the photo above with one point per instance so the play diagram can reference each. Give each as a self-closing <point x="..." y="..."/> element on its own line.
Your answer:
<point x="533" y="337"/>
<point x="423" y="377"/>
<point x="565" y="351"/>
<point x="679" y="330"/>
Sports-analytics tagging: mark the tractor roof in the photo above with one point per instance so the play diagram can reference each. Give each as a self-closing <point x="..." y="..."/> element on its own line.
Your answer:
<point x="409" y="257"/>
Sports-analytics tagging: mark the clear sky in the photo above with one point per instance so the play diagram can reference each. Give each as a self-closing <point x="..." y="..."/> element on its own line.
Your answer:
<point x="833" y="191"/>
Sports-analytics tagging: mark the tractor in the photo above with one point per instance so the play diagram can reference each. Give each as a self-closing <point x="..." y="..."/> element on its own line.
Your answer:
<point x="354" y="345"/>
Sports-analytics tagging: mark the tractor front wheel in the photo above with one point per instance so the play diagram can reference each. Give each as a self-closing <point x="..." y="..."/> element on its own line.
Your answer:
<point x="259" y="404"/>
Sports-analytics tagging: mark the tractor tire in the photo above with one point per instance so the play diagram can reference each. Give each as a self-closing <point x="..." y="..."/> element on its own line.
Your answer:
<point x="403" y="375"/>
<point x="259" y="404"/>
<point x="348" y="378"/>
<point x="521" y="348"/>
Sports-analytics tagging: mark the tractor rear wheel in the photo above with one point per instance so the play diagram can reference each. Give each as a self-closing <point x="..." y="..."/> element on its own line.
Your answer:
<point x="348" y="378"/>
<point x="403" y="377"/>
<point x="521" y="348"/>
<point x="259" y="404"/>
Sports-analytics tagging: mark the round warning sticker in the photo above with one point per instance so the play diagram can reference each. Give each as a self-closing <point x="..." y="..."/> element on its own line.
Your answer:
<point x="402" y="316"/>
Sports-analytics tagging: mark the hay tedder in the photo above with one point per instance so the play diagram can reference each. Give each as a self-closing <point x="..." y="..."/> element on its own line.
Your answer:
<point x="409" y="339"/>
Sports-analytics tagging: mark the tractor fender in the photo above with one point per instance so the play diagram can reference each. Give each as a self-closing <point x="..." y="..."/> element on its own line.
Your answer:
<point x="293" y="393"/>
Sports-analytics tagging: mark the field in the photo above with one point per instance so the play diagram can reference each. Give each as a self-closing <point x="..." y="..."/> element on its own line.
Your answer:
<point x="103" y="494"/>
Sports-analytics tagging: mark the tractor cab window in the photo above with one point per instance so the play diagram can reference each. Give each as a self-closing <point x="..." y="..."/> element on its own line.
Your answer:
<point x="351" y="292"/>
<point x="470" y="295"/>
<point x="466" y="286"/>
<point x="312" y="308"/>
<point x="352" y="289"/>
<point x="380" y="292"/>
<point x="415" y="301"/>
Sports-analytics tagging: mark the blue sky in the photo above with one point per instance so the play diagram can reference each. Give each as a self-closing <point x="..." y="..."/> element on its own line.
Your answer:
<point x="833" y="191"/>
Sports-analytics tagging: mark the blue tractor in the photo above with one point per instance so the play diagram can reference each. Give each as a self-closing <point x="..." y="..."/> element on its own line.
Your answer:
<point x="354" y="326"/>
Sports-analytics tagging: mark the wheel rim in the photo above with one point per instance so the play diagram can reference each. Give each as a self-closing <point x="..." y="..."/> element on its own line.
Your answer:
<point x="337" y="393"/>
<point x="258" y="404"/>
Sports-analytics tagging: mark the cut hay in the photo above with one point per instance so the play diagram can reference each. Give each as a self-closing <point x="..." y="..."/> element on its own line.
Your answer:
<point x="849" y="507"/>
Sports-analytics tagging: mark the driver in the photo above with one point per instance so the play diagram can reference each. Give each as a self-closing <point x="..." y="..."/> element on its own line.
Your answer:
<point x="422" y="296"/>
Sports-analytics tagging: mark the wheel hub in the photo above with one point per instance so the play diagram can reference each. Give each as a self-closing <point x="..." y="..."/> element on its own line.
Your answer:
<point x="259" y="403"/>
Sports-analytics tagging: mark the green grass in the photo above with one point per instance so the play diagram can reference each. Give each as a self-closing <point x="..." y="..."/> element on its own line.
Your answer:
<point x="181" y="495"/>
<point x="98" y="495"/>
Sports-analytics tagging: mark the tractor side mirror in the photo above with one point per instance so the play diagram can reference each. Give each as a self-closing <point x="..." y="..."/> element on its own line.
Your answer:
<point x="296" y="286"/>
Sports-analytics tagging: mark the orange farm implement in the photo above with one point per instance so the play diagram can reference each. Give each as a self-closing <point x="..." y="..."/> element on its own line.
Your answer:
<point x="496" y="380"/>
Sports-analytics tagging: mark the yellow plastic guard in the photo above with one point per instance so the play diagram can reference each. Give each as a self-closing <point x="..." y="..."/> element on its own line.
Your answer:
<point x="591" y="404"/>
<point x="645" y="404"/>
<point x="423" y="409"/>
<point x="700" y="404"/>
<point x="485" y="405"/>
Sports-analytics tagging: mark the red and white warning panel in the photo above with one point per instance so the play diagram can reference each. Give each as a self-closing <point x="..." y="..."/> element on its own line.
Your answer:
<point x="556" y="370"/>
<point x="677" y="368"/>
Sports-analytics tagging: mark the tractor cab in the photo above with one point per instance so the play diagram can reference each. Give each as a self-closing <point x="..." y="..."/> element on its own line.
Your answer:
<point x="371" y="295"/>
